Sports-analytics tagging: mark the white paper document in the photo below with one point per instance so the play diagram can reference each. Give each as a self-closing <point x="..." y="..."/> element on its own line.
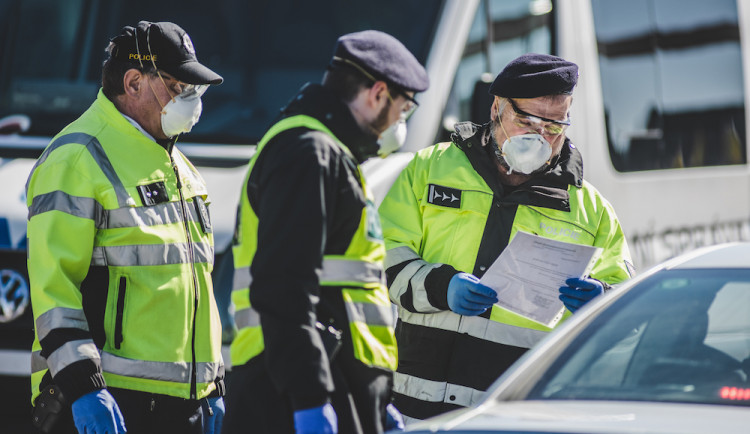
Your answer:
<point x="529" y="272"/>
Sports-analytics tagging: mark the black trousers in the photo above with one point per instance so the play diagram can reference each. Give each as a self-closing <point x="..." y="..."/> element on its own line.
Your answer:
<point x="148" y="413"/>
<point x="254" y="406"/>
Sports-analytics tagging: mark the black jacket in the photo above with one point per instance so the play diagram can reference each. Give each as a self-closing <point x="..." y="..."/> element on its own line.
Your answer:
<point x="306" y="193"/>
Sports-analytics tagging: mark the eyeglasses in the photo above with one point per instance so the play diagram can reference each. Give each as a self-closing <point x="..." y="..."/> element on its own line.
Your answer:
<point x="411" y="104"/>
<point x="526" y="120"/>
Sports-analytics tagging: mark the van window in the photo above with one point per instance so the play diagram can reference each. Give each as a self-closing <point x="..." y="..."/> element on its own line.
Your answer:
<point x="51" y="52"/>
<point x="502" y="30"/>
<point x="672" y="82"/>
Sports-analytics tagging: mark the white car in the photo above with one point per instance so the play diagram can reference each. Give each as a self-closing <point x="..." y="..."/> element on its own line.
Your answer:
<point x="666" y="352"/>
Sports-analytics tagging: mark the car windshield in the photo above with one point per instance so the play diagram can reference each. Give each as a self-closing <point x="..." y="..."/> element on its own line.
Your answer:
<point x="679" y="336"/>
<point x="51" y="53"/>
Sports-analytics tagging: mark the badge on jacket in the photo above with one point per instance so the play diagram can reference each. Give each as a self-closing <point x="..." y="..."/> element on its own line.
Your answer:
<point x="444" y="196"/>
<point x="153" y="194"/>
<point x="203" y="218"/>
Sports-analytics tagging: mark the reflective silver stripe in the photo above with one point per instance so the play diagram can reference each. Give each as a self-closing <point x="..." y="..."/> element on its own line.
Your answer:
<point x="176" y="372"/>
<point x="370" y="314"/>
<point x="71" y="352"/>
<point x="408" y="420"/>
<point x="342" y="270"/>
<point x="150" y="254"/>
<point x="204" y="252"/>
<point x="414" y="274"/>
<point x="84" y="207"/>
<point x="242" y="278"/>
<point x="38" y="363"/>
<point x="100" y="157"/>
<point x="60" y="317"/>
<point x="160" y="214"/>
<point x="435" y="391"/>
<point x="398" y="255"/>
<point x="477" y="327"/>
<point x="334" y="270"/>
<point x="247" y="317"/>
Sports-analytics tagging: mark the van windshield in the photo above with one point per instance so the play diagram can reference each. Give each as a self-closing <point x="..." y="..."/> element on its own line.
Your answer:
<point x="51" y="53"/>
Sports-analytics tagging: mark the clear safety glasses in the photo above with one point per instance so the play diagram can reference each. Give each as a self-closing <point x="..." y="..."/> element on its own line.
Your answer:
<point x="411" y="103"/>
<point x="528" y="121"/>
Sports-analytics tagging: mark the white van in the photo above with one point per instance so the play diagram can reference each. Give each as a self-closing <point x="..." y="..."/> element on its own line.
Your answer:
<point x="659" y="113"/>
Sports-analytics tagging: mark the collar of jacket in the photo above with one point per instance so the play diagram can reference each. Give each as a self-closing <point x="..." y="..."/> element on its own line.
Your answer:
<point x="320" y="103"/>
<point x="117" y="120"/>
<point x="547" y="189"/>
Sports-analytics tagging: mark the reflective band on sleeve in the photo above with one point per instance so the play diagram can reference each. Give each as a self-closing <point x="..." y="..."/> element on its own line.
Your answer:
<point x="84" y="207"/>
<point x="435" y="391"/>
<point x="247" y="317"/>
<point x="150" y="254"/>
<point x="398" y="255"/>
<point x="100" y="157"/>
<point x="343" y="270"/>
<point x="71" y="352"/>
<point x="477" y="327"/>
<point x="38" y="363"/>
<point x="176" y="372"/>
<point x="371" y="314"/>
<point x="60" y="317"/>
<point x="414" y="274"/>
<point x="242" y="279"/>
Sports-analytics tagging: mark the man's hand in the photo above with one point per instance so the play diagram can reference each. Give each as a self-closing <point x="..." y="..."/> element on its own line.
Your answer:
<point x="98" y="413"/>
<point x="317" y="420"/>
<point x="466" y="296"/>
<point x="579" y="291"/>
<point x="213" y="414"/>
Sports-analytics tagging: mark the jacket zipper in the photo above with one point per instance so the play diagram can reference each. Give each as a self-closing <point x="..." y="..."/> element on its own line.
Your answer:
<point x="120" y="311"/>
<point x="191" y="258"/>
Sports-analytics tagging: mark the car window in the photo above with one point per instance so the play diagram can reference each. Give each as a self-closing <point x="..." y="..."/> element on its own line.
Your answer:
<point x="679" y="336"/>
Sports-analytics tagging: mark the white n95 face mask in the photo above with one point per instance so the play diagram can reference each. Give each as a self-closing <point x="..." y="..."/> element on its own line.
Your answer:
<point x="392" y="138"/>
<point x="182" y="112"/>
<point x="526" y="153"/>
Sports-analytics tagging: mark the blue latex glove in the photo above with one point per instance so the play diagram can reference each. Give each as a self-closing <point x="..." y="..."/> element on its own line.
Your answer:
<point x="317" y="420"/>
<point x="579" y="291"/>
<point x="213" y="414"/>
<point x="393" y="418"/>
<point x="466" y="296"/>
<point x="97" y="413"/>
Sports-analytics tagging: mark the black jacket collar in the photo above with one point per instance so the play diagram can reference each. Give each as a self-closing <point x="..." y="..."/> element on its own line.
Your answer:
<point x="548" y="189"/>
<point x="322" y="104"/>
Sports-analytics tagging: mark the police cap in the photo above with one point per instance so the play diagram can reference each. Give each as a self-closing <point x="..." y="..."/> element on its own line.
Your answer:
<point x="533" y="75"/>
<point x="168" y="46"/>
<point x="384" y="57"/>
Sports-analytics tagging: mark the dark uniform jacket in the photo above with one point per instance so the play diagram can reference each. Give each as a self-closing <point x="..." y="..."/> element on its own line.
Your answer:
<point x="306" y="193"/>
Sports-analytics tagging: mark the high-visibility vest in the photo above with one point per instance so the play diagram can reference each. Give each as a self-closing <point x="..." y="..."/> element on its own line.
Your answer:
<point x="358" y="272"/>
<point x="95" y="199"/>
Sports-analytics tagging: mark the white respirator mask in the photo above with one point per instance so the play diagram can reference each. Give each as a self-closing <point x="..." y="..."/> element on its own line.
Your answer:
<point x="526" y="153"/>
<point x="183" y="111"/>
<point x="393" y="138"/>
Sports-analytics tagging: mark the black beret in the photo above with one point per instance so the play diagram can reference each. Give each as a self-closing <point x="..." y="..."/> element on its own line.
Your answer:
<point x="166" y="45"/>
<point x="533" y="75"/>
<point x="384" y="57"/>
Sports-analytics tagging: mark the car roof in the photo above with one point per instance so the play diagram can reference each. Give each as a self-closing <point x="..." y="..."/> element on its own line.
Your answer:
<point x="729" y="255"/>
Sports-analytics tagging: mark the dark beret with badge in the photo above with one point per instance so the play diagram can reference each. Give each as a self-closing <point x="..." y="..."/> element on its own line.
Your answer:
<point x="383" y="57"/>
<point x="167" y="46"/>
<point x="534" y="75"/>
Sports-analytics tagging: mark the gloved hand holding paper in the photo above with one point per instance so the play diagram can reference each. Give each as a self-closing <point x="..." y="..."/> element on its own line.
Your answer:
<point x="528" y="274"/>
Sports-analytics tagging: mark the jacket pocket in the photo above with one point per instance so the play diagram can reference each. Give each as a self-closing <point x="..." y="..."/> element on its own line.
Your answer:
<point x="122" y="286"/>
